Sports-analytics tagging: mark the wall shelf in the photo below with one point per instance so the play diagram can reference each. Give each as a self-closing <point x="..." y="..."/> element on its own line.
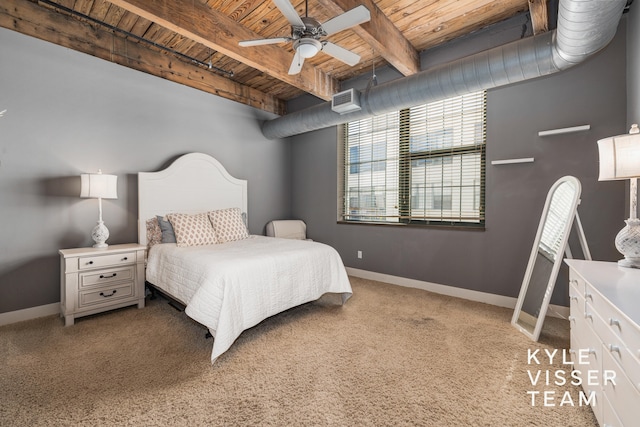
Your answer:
<point x="512" y="161"/>
<point x="564" y="130"/>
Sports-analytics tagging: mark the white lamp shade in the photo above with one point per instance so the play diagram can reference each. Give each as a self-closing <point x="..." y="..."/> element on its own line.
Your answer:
<point x="97" y="185"/>
<point x="619" y="157"/>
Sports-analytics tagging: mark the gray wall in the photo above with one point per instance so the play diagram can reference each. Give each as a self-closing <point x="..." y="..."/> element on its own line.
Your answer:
<point x="633" y="65"/>
<point x="70" y="113"/>
<point x="493" y="260"/>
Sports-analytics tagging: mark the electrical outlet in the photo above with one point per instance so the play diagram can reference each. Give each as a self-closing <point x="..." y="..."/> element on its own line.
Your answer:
<point x="359" y="254"/>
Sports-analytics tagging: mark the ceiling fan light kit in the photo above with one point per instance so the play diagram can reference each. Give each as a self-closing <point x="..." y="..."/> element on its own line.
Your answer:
<point x="306" y="34"/>
<point x="307" y="48"/>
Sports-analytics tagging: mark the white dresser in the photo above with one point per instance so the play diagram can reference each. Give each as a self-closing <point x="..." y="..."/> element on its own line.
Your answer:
<point x="96" y="280"/>
<point x="605" y="338"/>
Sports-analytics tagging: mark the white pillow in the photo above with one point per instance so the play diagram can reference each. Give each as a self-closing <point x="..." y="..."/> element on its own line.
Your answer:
<point x="192" y="230"/>
<point x="228" y="225"/>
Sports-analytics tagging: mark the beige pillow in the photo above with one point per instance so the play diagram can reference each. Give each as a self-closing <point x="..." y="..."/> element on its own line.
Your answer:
<point x="192" y="230"/>
<point x="228" y="225"/>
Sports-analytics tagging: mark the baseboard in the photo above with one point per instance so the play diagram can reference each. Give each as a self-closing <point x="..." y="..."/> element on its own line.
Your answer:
<point x="468" y="294"/>
<point x="487" y="298"/>
<point x="29" y="313"/>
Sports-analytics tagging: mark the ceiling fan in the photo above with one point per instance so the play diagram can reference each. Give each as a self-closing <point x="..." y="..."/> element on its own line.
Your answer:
<point x="306" y="34"/>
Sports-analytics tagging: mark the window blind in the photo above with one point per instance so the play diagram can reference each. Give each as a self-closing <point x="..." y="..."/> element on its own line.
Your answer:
<point x="422" y="165"/>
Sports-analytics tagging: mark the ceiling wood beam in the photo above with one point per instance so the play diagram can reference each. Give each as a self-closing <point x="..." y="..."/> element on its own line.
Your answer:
<point x="199" y="22"/>
<point x="30" y="19"/>
<point x="381" y="34"/>
<point x="539" y="16"/>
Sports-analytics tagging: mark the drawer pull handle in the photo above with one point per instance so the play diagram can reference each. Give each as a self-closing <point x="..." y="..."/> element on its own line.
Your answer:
<point x="90" y="262"/>
<point x="573" y="298"/>
<point x="102" y="276"/>
<point x="588" y="316"/>
<point x="588" y="296"/>
<point x="573" y="282"/>
<point x="614" y="322"/>
<point x="102" y="294"/>
<point x="125" y="258"/>
<point x="613" y="348"/>
<point x="571" y="318"/>
<point x="591" y="351"/>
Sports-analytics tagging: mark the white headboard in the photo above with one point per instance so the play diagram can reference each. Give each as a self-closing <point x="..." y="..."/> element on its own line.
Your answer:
<point x="193" y="183"/>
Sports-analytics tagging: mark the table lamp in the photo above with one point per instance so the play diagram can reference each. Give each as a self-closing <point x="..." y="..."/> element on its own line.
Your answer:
<point x="99" y="186"/>
<point x="620" y="159"/>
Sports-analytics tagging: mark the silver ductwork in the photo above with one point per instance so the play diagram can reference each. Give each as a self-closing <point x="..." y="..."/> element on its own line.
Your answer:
<point x="584" y="27"/>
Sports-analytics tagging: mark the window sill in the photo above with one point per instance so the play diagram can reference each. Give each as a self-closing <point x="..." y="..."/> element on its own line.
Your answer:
<point x="465" y="227"/>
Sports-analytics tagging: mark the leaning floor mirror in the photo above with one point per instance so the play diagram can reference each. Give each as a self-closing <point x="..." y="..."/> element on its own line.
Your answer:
<point x="549" y="247"/>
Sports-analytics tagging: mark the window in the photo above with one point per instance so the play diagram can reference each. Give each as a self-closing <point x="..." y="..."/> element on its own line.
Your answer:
<point x="421" y="165"/>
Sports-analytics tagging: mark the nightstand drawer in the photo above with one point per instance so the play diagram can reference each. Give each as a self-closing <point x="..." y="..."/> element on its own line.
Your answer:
<point x="105" y="295"/>
<point x="96" y="261"/>
<point x="102" y="277"/>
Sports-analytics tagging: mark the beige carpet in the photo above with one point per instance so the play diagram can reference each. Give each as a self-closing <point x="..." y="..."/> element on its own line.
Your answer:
<point x="390" y="356"/>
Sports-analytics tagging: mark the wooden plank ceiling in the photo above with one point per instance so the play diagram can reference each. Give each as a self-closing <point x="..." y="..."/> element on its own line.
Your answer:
<point x="195" y="42"/>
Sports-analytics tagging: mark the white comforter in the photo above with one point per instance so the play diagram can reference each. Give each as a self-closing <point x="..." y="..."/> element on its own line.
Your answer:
<point x="233" y="286"/>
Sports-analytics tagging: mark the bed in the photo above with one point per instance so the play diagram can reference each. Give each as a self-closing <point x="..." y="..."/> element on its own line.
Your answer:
<point x="231" y="286"/>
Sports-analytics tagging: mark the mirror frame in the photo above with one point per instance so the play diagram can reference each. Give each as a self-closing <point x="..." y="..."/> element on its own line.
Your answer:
<point x="557" y="262"/>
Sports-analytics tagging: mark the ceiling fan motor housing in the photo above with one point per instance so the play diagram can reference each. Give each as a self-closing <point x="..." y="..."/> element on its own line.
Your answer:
<point x="312" y="29"/>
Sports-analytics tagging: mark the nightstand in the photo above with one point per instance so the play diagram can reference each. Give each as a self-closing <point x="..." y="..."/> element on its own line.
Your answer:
<point x="96" y="280"/>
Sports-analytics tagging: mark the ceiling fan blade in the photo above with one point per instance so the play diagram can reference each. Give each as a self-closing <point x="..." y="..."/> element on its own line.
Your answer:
<point x="355" y="16"/>
<point x="289" y="12"/>
<point x="259" y="42"/>
<point x="296" y="64"/>
<point x="341" y="53"/>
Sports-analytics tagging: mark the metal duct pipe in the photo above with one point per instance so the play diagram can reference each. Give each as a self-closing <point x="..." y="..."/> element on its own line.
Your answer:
<point x="584" y="27"/>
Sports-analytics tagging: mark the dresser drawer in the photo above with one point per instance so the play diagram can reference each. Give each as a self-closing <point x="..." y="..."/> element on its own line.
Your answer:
<point x="97" y="261"/>
<point x="577" y="283"/>
<point x="105" y="295"/>
<point x="613" y="345"/>
<point x="584" y="345"/>
<point x="576" y="296"/>
<point x="576" y="308"/>
<point x="620" y="325"/>
<point x="103" y="277"/>
<point x="621" y="393"/>
<point x="609" y="416"/>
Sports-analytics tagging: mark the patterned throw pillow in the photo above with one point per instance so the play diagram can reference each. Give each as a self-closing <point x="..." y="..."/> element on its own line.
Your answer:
<point x="154" y="233"/>
<point x="228" y="225"/>
<point x="192" y="230"/>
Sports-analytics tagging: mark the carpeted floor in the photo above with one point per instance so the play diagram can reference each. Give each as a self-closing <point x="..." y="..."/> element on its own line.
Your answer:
<point x="390" y="356"/>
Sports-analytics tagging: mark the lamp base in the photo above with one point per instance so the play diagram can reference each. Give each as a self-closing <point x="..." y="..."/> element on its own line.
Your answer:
<point x="628" y="244"/>
<point x="629" y="262"/>
<point x="100" y="234"/>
